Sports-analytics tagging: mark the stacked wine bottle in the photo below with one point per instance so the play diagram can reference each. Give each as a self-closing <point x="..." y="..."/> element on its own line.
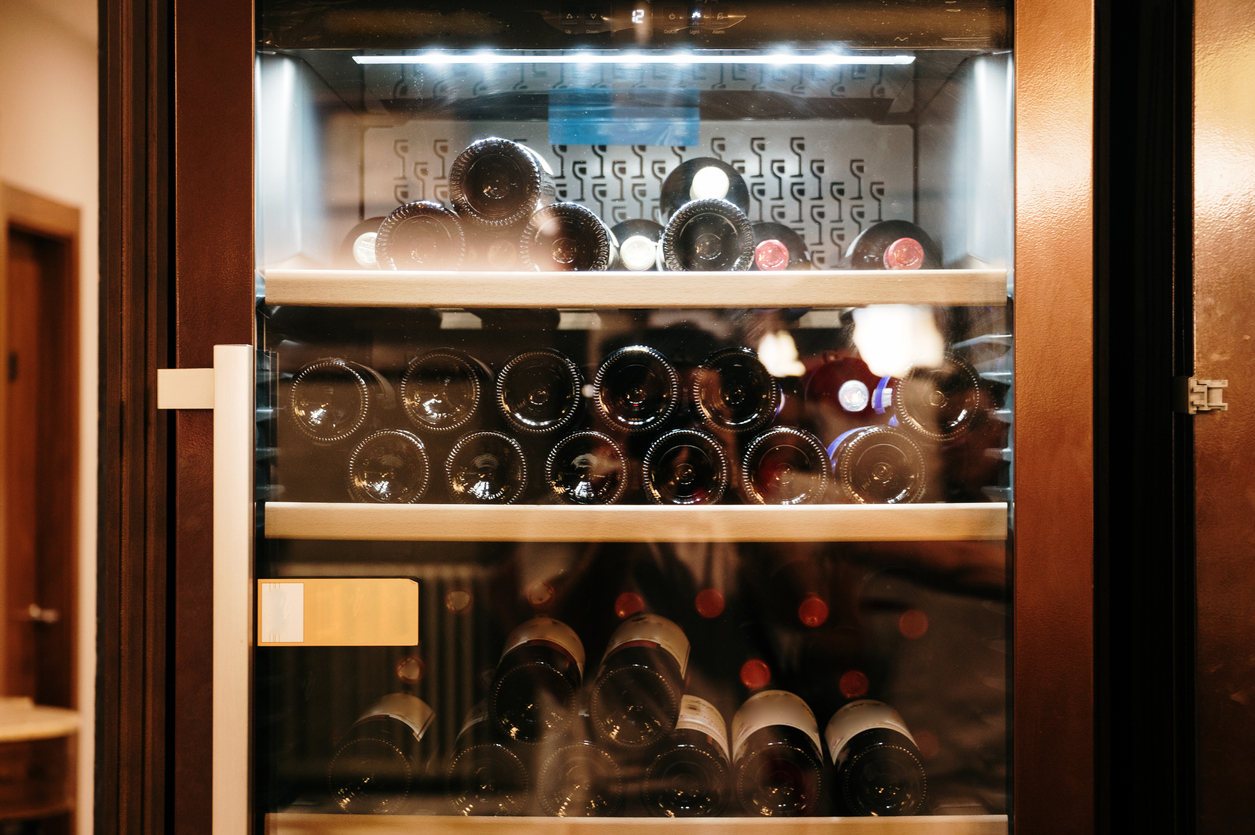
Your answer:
<point x="638" y="429"/>
<point x="631" y="737"/>
<point x="504" y="214"/>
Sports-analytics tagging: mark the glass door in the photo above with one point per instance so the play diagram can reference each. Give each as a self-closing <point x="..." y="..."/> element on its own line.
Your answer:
<point x="634" y="414"/>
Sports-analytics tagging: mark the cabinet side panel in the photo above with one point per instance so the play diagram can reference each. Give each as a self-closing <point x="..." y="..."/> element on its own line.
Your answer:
<point x="1053" y="672"/>
<point x="213" y="230"/>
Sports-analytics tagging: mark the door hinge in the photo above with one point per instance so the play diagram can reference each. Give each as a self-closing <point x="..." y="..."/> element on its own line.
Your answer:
<point x="1193" y="395"/>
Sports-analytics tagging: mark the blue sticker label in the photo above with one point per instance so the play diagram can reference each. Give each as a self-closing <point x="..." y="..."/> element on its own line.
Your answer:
<point x="624" y="117"/>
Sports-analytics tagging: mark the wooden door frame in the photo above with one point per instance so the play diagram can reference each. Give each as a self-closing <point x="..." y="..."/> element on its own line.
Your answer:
<point x="45" y="218"/>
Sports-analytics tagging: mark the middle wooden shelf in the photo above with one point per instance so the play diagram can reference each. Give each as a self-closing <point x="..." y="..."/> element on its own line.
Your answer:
<point x="636" y="523"/>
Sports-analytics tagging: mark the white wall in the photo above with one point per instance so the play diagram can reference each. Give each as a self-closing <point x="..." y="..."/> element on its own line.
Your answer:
<point x="48" y="145"/>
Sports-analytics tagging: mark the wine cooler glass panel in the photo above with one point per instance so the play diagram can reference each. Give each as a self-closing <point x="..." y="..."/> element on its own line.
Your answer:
<point x="634" y="431"/>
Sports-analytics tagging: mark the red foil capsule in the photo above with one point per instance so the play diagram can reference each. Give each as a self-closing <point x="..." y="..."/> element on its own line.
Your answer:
<point x="904" y="254"/>
<point x="772" y="255"/>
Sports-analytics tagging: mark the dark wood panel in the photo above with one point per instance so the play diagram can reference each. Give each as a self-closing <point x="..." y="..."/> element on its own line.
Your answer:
<point x="213" y="304"/>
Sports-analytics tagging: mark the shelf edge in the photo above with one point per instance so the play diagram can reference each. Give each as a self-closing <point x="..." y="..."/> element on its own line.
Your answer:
<point x="549" y="523"/>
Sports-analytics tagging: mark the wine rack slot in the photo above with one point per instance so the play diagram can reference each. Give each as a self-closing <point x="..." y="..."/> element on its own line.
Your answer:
<point x="813" y="523"/>
<point x="806" y="288"/>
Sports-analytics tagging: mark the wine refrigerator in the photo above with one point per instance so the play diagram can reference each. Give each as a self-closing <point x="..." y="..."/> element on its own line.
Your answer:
<point x="635" y="412"/>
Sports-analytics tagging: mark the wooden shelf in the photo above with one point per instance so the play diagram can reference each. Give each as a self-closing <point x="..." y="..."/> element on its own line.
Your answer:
<point x="814" y="288"/>
<point x="288" y="823"/>
<point x="636" y="523"/>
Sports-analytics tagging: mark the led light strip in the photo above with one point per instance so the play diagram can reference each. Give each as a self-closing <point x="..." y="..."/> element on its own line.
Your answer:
<point x="630" y="58"/>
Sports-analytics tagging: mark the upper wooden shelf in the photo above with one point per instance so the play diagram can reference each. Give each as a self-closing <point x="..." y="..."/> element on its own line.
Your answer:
<point x="316" y="824"/>
<point x="812" y="288"/>
<point x="636" y="523"/>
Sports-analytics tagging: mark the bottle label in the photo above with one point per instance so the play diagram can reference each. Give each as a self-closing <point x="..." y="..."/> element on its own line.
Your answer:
<point x="860" y="716"/>
<point x="652" y="630"/>
<point x="700" y="715"/>
<point x="406" y="708"/>
<point x="547" y="632"/>
<point x="773" y="707"/>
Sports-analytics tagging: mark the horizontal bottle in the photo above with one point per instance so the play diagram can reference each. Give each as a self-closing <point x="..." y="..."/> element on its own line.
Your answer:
<point x="877" y="766"/>
<point x="499" y="183"/>
<point x="579" y="778"/>
<point x="485" y="775"/>
<point x="786" y="466"/>
<point x="635" y="698"/>
<point x="357" y="251"/>
<point x="778" y="248"/>
<point x="701" y="179"/>
<point x="332" y="399"/>
<point x="420" y="236"/>
<point x="690" y="776"/>
<point x="777" y="756"/>
<point x="734" y="392"/>
<point x="638" y="244"/>
<point x="443" y="389"/>
<point x="842" y="393"/>
<point x="941" y="403"/>
<point x="539" y="391"/>
<point x="685" y="467"/>
<point x="381" y="765"/>
<point x="878" y="465"/>
<point x="534" y="688"/>
<point x="486" y="468"/>
<point x="389" y="466"/>
<point x="587" y="468"/>
<point x="710" y="234"/>
<point x="567" y="236"/>
<point x="893" y="245"/>
<point x="636" y="389"/>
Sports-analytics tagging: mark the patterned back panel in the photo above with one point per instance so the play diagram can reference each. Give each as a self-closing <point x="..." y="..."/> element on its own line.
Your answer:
<point x="825" y="179"/>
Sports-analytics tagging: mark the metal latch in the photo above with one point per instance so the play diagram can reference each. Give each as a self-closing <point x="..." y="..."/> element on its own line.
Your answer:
<point x="1194" y="395"/>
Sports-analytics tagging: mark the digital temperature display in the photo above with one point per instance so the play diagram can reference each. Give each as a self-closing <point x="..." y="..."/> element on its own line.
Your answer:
<point x="643" y="17"/>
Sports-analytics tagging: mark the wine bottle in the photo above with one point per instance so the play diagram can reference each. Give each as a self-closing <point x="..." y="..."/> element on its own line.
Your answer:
<point x="701" y="179"/>
<point x="689" y="778"/>
<point x="486" y="468"/>
<point x="709" y="234"/>
<point x="635" y="697"/>
<point x="636" y="389"/>
<point x="381" y="764"/>
<point x="331" y="399"/>
<point x="420" y="236"/>
<point x="877" y="465"/>
<point x="499" y="183"/>
<point x="842" y="393"/>
<point x="357" y="252"/>
<point x="685" y="467"/>
<point x="579" y="778"/>
<point x="777" y="247"/>
<point x="587" y="468"/>
<point x="777" y="756"/>
<point x="791" y="582"/>
<point x="941" y="403"/>
<point x="537" y="678"/>
<point x="539" y="391"/>
<point x="893" y="245"/>
<point x="442" y="389"/>
<point x="878" y="768"/>
<point x="486" y="776"/>
<point x="734" y="392"/>
<point x="391" y="466"/>
<point x="638" y="244"/>
<point x="567" y="236"/>
<point x="785" y="465"/>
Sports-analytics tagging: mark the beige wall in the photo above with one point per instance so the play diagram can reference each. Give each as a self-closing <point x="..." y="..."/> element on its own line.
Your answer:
<point x="48" y="145"/>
